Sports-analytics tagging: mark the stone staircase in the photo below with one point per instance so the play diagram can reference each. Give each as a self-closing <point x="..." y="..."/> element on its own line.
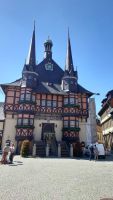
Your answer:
<point x="41" y="149"/>
<point x="64" y="149"/>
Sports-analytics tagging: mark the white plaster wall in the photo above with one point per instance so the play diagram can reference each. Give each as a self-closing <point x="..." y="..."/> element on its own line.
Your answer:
<point x="9" y="130"/>
<point x="38" y="128"/>
<point x="88" y="129"/>
<point x="82" y="133"/>
<point x="1" y="125"/>
<point x="92" y="120"/>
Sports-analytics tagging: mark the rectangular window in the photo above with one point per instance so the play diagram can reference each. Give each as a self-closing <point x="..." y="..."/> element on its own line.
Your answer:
<point x="22" y="97"/>
<point x="28" y="97"/>
<point x="72" y="123"/>
<point x="65" y="123"/>
<point x="72" y="100"/>
<point x="31" y="121"/>
<point x="19" y="121"/>
<point x="65" y="101"/>
<point x="48" y="103"/>
<point x="33" y="98"/>
<point x="43" y="102"/>
<point x="25" y="121"/>
<point x="77" y="123"/>
<point x="54" y="104"/>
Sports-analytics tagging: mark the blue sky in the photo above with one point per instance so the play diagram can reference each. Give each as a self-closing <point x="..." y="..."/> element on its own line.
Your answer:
<point x="91" y="32"/>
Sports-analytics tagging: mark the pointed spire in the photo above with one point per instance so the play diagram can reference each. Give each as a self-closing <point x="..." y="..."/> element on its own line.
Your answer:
<point x="69" y="61"/>
<point x="31" y="59"/>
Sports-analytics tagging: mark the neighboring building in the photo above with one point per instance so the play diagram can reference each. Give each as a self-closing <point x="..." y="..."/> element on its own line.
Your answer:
<point x="1" y="121"/>
<point x="99" y="132"/>
<point x="106" y="115"/>
<point x="47" y="105"/>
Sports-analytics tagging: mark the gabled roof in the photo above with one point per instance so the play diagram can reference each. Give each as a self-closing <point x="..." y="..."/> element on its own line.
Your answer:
<point x="82" y="90"/>
<point x="51" y="76"/>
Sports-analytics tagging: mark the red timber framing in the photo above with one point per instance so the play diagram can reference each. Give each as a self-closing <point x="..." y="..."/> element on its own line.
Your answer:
<point x="46" y="103"/>
<point x="11" y="100"/>
<point x="75" y="109"/>
<point x="26" y="112"/>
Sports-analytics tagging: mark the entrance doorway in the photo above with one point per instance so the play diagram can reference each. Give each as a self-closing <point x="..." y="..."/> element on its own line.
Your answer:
<point x="48" y="135"/>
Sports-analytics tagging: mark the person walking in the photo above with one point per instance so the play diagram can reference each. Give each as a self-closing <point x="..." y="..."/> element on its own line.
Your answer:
<point x="96" y="153"/>
<point x="5" y="154"/>
<point x="11" y="153"/>
<point x="91" y="152"/>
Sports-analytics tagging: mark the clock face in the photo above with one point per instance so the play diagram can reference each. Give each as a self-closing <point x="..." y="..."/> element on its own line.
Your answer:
<point x="49" y="66"/>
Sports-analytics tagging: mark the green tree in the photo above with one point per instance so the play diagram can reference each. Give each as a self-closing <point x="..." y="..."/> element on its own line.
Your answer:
<point x="25" y="148"/>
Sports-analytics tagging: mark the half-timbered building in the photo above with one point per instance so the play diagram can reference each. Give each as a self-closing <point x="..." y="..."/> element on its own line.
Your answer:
<point x="106" y="118"/>
<point x="47" y="104"/>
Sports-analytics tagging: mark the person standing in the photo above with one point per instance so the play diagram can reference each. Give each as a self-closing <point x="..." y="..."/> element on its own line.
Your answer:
<point x="91" y="152"/>
<point x="96" y="153"/>
<point x="12" y="151"/>
<point x="5" y="154"/>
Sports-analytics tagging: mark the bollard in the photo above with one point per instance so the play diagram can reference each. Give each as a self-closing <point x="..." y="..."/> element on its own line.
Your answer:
<point x="71" y="151"/>
<point x="59" y="150"/>
<point x="47" y="150"/>
<point x="34" y="150"/>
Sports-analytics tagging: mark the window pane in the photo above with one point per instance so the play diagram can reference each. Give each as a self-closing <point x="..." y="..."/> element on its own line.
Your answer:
<point x="25" y="121"/>
<point x="54" y="104"/>
<point x="19" y="121"/>
<point x="31" y="121"/>
<point x="65" y="123"/>
<point x="33" y="98"/>
<point x="65" y="101"/>
<point x="77" y="123"/>
<point x="22" y="97"/>
<point x="43" y="102"/>
<point x="28" y="96"/>
<point x="72" y="123"/>
<point x="72" y="100"/>
<point x="49" y="103"/>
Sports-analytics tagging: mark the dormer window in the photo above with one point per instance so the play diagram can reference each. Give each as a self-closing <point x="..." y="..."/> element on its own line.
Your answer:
<point x="49" y="66"/>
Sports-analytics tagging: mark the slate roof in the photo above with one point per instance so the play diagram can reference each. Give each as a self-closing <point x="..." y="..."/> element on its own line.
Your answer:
<point x="54" y="76"/>
<point x="49" y="81"/>
<point x="48" y="87"/>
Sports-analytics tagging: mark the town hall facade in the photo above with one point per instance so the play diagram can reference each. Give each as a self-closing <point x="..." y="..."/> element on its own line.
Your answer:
<point x="47" y="105"/>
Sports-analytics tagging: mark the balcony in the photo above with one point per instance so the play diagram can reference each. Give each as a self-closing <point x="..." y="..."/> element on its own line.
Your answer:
<point x="71" y="106"/>
<point x="71" y="129"/>
<point x="24" y="126"/>
<point x="25" y="101"/>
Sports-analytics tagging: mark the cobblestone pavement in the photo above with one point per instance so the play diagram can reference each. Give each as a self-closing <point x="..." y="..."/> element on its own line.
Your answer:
<point x="56" y="179"/>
